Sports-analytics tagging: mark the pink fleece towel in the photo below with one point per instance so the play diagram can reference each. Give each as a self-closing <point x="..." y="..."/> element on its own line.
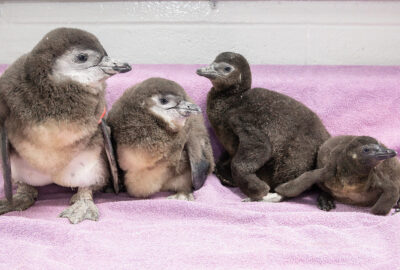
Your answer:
<point x="218" y="231"/>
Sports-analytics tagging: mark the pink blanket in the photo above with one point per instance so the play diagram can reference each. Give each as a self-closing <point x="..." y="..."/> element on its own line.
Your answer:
<point x="218" y="231"/>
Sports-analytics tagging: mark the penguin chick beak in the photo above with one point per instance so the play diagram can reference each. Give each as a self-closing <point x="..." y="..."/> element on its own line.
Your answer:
<point x="186" y="108"/>
<point x="111" y="66"/>
<point x="385" y="153"/>
<point x="208" y="72"/>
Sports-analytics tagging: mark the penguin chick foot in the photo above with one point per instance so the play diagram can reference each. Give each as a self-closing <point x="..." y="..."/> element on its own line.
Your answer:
<point x="224" y="175"/>
<point x="108" y="189"/>
<point x="82" y="207"/>
<point x="24" y="198"/>
<point x="182" y="196"/>
<point x="81" y="210"/>
<point x="325" y="202"/>
<point x="270" y="197"/>
<point x="224" y="181"/>
<point x="396" y="207"/>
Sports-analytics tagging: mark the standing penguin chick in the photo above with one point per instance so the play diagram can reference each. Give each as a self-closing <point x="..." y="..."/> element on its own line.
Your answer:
<point x="354" y="170"/>
<point x="161" y="141"/>
<point x="269" y="138"/>
<point x="51" y="100"/>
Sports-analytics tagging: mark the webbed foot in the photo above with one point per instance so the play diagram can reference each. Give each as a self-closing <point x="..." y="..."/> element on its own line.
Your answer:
<point x="325" y="202"/>
<point x="396" y="207"/>
<point x="223" y="173"/>
<point x="82" y="207"/>
<point x="182" y="196"/>
<point x="81" y="210"/>
<point x="270" y="197"/>
<point x="24" y="198"/>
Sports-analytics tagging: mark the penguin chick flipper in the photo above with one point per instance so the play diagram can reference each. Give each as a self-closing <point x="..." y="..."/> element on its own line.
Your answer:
<point x="388" y="198"/>
<point x="110" y="155"/>
<point x="6" y="164"/>
<point x="253" y="152"/>
<point x="199" y="165"/>
<point x="325" y="201"/>
<point x="297" y="186"/>
<point x="24" y="198"/>
<point x="182" y="196"/>
<point x="82" y="207"/>
<point x="199" y="151"/>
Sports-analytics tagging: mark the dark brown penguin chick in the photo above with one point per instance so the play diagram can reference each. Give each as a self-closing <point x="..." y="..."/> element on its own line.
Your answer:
<point x="269" y="138"/>
<point x="161" y="141"/>
<point x="354" y="170"/>
<point x="51" y="101"/>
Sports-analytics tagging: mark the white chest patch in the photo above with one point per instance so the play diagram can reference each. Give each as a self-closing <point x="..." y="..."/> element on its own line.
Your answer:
<point x="22" y="171"/>
<point x="84" y="170"/>
<point x="50" y="147"/>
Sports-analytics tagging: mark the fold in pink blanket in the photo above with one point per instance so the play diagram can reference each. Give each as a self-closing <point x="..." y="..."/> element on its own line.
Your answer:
<point x="218" y="231"/>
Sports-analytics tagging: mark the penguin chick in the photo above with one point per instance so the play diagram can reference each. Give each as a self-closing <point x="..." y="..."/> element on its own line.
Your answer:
<point x="269" y="138"/>
<point x="51" y="101"/>
<point x="354" y="170"/>
<point x="160" y="139"/>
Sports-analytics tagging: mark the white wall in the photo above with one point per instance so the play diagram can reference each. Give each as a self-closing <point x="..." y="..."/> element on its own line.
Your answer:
<point x="266" y="32"/>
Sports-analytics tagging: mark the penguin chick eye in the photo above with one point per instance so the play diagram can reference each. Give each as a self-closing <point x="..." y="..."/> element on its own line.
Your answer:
<point x="227" y="69"/>
<point x="163" y="101"/>
<point x="366" y="150"/>
<point x="82" y="57"/>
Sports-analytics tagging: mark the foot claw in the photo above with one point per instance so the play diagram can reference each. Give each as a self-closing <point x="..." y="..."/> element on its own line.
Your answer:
<point x="81" y="210"/>
<point x="182" y="196"/>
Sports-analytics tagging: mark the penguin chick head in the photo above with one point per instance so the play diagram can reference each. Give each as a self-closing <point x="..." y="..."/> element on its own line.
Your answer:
<point x="228" y="71"/>
<point x="171" y="109"/>
<point x="67" y="54"/>
<point x="166" y="101"/>
<point x="364" y="153"/>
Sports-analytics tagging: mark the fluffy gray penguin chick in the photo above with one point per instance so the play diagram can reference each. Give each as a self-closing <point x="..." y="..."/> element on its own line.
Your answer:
<point x="51" y="100"/>
<point x="354" y="170"/>
<point x="160" y="139"/>
<point x="269" y="138"/>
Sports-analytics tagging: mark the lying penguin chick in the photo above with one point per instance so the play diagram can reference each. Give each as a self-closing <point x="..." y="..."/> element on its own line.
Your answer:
<point x="52" y="99"/>
<point x="353" y="170"/>
<point x="161" y="141"/>
<point x="269" y="138"/>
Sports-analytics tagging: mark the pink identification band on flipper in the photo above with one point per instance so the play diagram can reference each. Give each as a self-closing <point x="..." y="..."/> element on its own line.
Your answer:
<point x="103" y="114"/>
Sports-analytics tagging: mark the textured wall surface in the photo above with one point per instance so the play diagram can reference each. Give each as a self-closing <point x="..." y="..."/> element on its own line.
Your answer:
<point x="267" y="32"/>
